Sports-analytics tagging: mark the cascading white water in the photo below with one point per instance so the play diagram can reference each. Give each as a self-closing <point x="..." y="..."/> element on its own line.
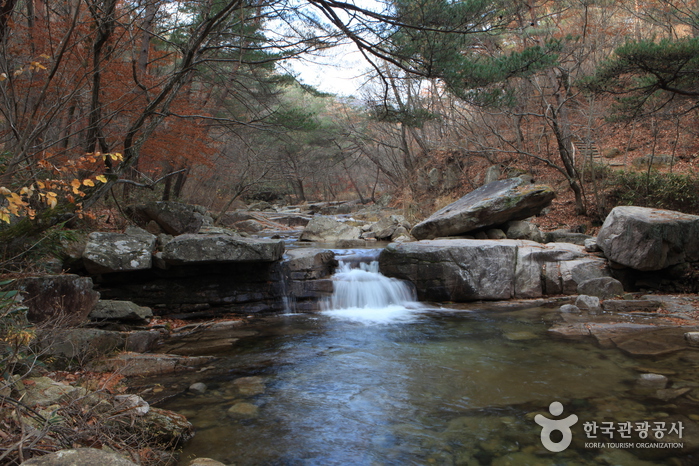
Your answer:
<point x="363" y="294"/>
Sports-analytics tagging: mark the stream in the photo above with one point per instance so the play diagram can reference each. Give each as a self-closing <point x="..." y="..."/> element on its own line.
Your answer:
<point x="378" y="379"/>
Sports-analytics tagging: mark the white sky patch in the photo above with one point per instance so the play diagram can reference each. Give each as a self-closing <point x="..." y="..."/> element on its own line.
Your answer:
<point x="341" y="70"/>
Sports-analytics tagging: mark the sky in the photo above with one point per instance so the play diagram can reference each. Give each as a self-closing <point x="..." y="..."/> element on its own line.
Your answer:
<point x="341" y="70"/>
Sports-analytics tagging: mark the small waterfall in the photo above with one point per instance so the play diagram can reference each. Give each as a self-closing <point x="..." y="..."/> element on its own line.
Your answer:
<point x="362" y="294"/>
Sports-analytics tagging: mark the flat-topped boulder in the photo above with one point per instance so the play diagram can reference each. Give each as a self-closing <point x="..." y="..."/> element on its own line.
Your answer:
<point x="107" y="252"/>
<point x="326" y="229"/>
<point x="649" y="239"/>
<point x="470" y="270"/>
<point x="220" y="248"/>
<point x="492" y="204"/>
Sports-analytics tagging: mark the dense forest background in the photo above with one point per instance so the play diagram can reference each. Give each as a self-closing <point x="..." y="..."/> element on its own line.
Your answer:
<point x="108" y="102"/>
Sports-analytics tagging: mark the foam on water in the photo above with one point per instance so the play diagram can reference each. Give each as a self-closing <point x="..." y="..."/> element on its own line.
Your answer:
<point x="365" y="295"/>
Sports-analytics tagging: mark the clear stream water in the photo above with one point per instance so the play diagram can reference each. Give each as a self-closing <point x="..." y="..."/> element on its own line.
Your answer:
<point x="378" y="379"/>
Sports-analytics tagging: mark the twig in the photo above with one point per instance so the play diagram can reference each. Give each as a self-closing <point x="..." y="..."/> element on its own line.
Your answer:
<point x="152" y="184"/>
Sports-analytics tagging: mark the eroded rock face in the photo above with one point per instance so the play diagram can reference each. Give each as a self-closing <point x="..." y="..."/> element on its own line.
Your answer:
<point x="119" y="252"/>
<point x="649" y="239"/>
<point x="492" y="204"/>
<point x="201" y="249"/>
<point x="469" y="270"/>
<point x="67" y="297"/>
<point x="326" y="229"/>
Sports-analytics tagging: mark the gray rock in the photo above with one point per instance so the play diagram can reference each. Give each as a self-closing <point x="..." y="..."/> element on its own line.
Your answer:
<point x="173" y="217"/>
<point x="570" y="309"/>
<point x="467" y="270"/>
<point x="400" y="233"/>
<point x="520" y="229"/>
<point x="493" y="204"/>
<point x="119" y="252"/>
<point x="68" y="298"/>
<point x="42" y="391"/>
<point x="326" y="229"/>
<point x="249" y="226"/>
<point x="198" y="388"/>
<point x="309" y="263"/>
<point x="649" y="239"/>
<point x="133" y="403"/>
<point x="652" y="381"/>
<point x="386" y="227"/>
<point x="350" y="243"/>
<point x="80" y="457"/>
<point x="221" y="248"/>
<point x="588" y="303"/>
<point x="564" y="236"/>
<point x="692" y="338"/>
<point x="602" y="287"/>
<point x="120" y="310"/>
<point x="591" y="245"/>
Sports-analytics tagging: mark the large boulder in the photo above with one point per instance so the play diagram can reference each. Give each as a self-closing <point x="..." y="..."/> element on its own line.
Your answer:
<point x="326" y="229"/>
<point x="492" y="204"/>
<point x="469" y="270"/>
<point x="119" y="252"/>
<point x="649" y="239"/>
<point x="173" y="217"/>
<point x="220" y="248"/>
<point x="66" y="297"/>
<point x="386" y="227"/>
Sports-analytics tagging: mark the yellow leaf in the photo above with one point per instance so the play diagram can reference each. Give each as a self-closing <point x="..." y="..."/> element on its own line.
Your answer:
<point x="41" y="185"/>
<point x="38" y="66"/>
<point x="3" y="76"/>
<point x="18" y="72"/>
<point x="44" y="56"/>
<point x="76" y="186"/>
<point x="15" y="198"/>
<point x="5" y="216"/>
<point x="88" y="182"/>
<point x="51" y="201"/>
<point x="5" y="191"/>
<point x="116" y="156"/>
<point x="101" y="178"/>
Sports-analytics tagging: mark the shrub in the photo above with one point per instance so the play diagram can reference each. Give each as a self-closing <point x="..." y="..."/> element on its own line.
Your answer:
<point x="671" y="191"/>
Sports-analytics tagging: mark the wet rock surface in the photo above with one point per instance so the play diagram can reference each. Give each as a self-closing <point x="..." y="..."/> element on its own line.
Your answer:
<point x="468" y="270"/>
